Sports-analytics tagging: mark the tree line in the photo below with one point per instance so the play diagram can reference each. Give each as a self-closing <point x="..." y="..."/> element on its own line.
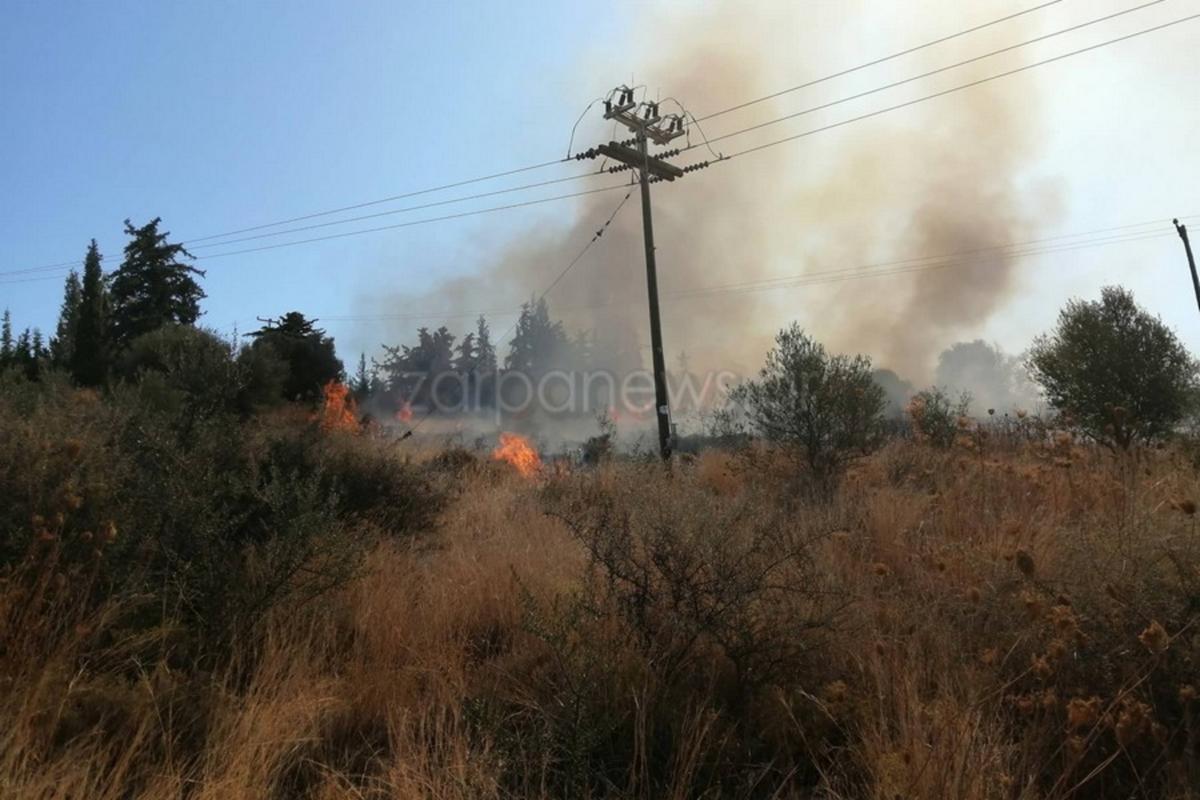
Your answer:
<point x="143" y="316"/>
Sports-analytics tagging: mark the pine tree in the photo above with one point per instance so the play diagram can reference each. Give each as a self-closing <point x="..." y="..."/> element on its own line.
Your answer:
<point x="152" y="287"/>
<point x="411" y="371"/>
<point x="485" y="351"/>
<point x="62" y="346"/>
<point x="539" y="344"/>
<point x="90" y="358"/>
<point x="466" y="359"/>
<point x="6" y="340"/>
<point x="25" y="353"/>
<point x="361" y="385"/>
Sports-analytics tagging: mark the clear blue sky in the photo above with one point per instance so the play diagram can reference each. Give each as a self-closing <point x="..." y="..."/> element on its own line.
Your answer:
<point x="215" y="115"/>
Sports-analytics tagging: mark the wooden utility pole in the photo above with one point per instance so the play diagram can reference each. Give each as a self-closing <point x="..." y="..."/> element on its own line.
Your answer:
<point x="647" y="125"/>
<point x="661" y="400"/>
<point x="1187" y="246"/>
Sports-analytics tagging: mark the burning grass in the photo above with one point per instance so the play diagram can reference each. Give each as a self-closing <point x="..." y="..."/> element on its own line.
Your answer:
<point x="952" y="623"/>
<point x="520" y="452"/>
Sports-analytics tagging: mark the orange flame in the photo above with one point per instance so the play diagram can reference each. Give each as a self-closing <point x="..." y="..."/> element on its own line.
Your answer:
<point x="405" y="414"/>
<point x="520" y="452"/>
<point x="339" y="412"/>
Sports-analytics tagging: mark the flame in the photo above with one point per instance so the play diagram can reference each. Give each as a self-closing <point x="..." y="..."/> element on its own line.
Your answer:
<point x="338" y="412"/>
<point x="520" y="452"/>
<point x="405" y="414"/>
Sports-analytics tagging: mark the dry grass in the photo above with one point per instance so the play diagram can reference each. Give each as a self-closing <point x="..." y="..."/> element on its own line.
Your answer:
<point x="1012" y="621"/>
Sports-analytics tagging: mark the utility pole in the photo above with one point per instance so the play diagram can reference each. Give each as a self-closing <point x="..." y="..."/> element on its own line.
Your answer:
<point x="1187" y="246"/>
<point x="647" y="125"/>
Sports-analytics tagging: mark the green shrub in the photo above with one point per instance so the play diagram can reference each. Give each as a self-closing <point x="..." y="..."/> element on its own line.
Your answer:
<point x="829" y="407"/>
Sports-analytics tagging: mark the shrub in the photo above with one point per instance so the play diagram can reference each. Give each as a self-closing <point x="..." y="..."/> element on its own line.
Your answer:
<point x="935" y="416"/>
<point x="1120" y="373"/>
<point x="170" y="506"/>
<point x="830" y="407"/>
<point x="693" y="606"/>
<point x="307" y="355"/>
<point x="599" y="448"/>
<point x="185" y="369"/>
<point x="367" y="479"/>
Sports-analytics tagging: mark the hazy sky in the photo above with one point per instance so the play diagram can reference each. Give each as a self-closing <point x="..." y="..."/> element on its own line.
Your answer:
<point x="222" y="115"/>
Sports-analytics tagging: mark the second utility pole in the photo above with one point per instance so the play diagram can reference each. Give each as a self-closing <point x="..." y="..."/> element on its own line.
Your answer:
<point x="1187" y="246"/>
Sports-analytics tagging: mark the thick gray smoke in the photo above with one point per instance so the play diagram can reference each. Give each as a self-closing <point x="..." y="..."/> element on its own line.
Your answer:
<point x="939" y="178"/>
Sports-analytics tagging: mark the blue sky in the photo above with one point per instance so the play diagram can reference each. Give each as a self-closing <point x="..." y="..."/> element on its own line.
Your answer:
<point x="218" y="115"/>
<point x="221" y="115"/>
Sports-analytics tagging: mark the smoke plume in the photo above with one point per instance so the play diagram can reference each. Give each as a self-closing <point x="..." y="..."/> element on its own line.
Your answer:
<point x="938" y="178"/>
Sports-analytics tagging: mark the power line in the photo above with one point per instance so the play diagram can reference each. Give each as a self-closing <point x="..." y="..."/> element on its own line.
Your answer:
<point x="939" y="70"/>
<point x="425" y="221"/>
<point x="380" y="201"/>
<point x="846" y="274"/>
<point x="502" y="312"/>
<point x="558" y="278"/>
<point x="450" y="201"/>
<point x="1031" y="247"/>
<point x="953" y="89"/>
<point x="420" y="207"/>
<point x="876" y="61"/>
<point x="345" y="234"/>
<point x="1022" y="249"/>
<point x="725" y="136"/>
<point x="505" y="173"/>
<point x="746" y="130"/>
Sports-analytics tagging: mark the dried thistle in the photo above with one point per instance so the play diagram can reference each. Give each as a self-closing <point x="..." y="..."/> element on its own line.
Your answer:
<point x="1063" y="619"/>
<point x="1155" y="638"/>
<point x="1040" y="666"/>
<point x="1132" y="722"/>
<point x="1082" y="713"/>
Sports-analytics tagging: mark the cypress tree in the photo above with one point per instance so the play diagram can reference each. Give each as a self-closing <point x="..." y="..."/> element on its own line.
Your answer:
<point x="361" y="385"/>
<point x="62" y="346"/>
<point x="6" y="340"/>
<point x="23" y="353"/>
<point x="90" y="359"/>
<point x="485" y="351"/>
<point x="152" y="287"/>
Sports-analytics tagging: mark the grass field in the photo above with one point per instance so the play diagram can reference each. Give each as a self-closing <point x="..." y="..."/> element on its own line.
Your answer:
<point x="1010" y="617"/>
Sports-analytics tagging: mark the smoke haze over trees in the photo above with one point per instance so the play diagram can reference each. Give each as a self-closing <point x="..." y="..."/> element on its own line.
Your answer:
<point x="846" y="202"/>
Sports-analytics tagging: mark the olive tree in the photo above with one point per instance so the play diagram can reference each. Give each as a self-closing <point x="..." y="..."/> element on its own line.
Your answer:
<point x="1120" y="373"/>
<point x="828" y="407"/>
